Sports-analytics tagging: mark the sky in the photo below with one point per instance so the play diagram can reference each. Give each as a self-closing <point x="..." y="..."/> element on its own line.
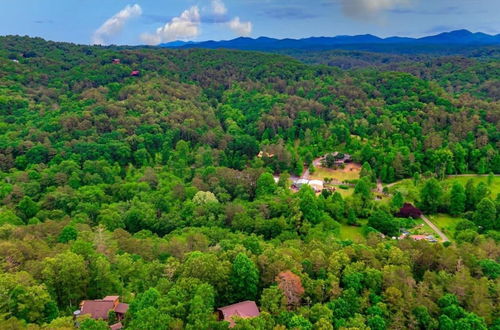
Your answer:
<point x="134" y="22"/>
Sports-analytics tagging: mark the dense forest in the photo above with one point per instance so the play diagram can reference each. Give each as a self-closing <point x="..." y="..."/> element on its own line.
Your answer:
<point x="136" y="172"/>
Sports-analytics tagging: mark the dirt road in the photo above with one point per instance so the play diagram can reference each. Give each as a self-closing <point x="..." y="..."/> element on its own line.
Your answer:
<point x="435" y="228"/>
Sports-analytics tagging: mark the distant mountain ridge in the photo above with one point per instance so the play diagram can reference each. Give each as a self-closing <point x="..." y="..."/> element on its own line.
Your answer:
<point x="366" y="41"/>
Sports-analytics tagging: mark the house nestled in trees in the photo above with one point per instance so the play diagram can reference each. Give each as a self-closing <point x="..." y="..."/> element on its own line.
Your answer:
<point x="244" y="309"/>
<point x="409" y="211"/>
<point x="100" y="309"/>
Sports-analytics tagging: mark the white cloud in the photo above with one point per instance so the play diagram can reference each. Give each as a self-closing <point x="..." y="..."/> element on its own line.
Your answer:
<point x="115" y="24"/>
<point x="218" y="7"/>
<point x="239" y="27"/>
<point x="368" y="9"/>
<point x="184" y="27"/>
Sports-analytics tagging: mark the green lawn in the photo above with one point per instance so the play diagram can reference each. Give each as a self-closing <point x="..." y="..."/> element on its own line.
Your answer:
<point x="446" y="223"/>
<point x="422" y="228"/>
<point x="351" y="233"/>
<point x="345" y="192"/>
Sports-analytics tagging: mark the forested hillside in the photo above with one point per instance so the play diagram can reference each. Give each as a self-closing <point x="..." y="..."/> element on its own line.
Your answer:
<point x="148" y="173"/>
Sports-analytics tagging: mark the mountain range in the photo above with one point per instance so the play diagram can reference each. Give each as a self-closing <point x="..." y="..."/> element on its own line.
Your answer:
<point x="453" y="39"/>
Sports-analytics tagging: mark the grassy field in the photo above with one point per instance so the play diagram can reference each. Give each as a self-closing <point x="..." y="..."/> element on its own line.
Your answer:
<point x="345" y="192"/>
<point x="351" y="233"/>
<point x="446" y="223"/>
<point x="350" y="172"/>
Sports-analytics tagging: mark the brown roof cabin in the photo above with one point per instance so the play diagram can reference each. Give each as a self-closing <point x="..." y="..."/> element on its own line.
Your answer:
<point x="244" y="309"/>
<point x="100" y="308"/>
<point x="409" y="211"/>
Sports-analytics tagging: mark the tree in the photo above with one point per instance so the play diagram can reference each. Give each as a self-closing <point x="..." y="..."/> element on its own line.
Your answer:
<point x="244" y="279"/>
<point x="66" y="276"/>
<point x="28" y="208"/>
<point x="204" y="197"/>
<point x="384" y="222"/>
<point x="486" y="215"/>
<point x="457" y="199"/>
<point x="363" y="189"/>
<point x="150" y="318"/>
<point x="366" y="171"/>
<point x="91" y="324"/>
<point x="265" y="185"/>
<point x="470" y="195"/>
<point x="291" y="286"/>
<point x="491" y="178"/>
<point x="272" y="300"/>
<point x="9" y="217"/>
<point x="430" y="196"/>
<point x="69" y="233"/>
<point x="397" y="201"/>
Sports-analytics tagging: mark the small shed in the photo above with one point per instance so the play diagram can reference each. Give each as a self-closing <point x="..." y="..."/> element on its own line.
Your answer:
<point x="116" y="61"/>
<point x="409" y="211"/>
<point x="244" y="309"/>
<point x="135" y="73"/>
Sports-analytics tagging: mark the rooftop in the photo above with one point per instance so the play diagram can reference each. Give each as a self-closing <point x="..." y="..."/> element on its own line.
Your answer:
<point x="244" y="309"/>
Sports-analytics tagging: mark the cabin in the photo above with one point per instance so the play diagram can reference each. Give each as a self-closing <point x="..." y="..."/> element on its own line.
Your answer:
<point x="99" y="309"/>
<point x="244" y="309"/>
<point x="116" y="61"/>
<point x="409" y="211"/>
<point x="135" y="73"/>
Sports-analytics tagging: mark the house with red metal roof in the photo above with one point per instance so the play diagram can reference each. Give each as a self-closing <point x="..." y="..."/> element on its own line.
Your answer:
<point x="99" y="309"/>
<point x="244" y="309"/>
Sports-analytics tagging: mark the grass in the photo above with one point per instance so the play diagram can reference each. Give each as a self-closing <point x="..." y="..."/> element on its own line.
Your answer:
<point x="351" y="233"/>
<point x="425" y="229"/>
<point x="340" y="174"/>
<point x="446" y="223"/>
<point x="345" y="192"/>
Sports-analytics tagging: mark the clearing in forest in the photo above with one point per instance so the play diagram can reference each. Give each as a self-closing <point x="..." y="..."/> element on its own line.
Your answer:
<point x="349" y="172"/>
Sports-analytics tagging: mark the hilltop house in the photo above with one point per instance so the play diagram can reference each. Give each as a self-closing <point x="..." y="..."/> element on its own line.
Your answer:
<point x="100" y="308"/>
<point x="244" y="309"/>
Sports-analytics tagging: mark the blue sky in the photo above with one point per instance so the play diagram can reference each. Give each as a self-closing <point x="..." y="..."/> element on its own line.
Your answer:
<point x="153" y="21"/>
